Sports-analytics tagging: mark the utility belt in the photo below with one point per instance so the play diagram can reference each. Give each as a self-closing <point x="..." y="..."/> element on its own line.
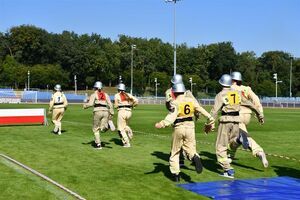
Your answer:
<point x="56" y="104"/>
<point x="230" y="113"/>
<point x="100" y="105"/>
<point x="183" y="120"/>
<point x="125" y="106"/>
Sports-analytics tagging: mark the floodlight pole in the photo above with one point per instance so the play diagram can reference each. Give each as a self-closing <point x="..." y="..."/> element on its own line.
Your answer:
<point x="291" y="71"/>
<point x="276" y="82"/>
<point x="156" y="84"/>
<point x="133" y="46"/>
<point x="174" y="32"/>
<point x="28" y="80"/>
<point x="75" y="82"/>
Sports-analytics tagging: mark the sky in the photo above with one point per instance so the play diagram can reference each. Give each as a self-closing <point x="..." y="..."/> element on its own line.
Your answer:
<point x="251" y="25"/>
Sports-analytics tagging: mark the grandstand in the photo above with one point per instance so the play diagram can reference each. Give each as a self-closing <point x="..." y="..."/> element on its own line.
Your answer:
<point x="8" y="95"/>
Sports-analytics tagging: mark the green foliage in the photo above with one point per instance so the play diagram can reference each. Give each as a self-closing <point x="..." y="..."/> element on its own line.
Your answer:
<point x="92" y="57"/>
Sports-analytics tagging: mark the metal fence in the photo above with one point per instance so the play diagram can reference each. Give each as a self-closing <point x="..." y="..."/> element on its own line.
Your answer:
<point x="209" y="102"/>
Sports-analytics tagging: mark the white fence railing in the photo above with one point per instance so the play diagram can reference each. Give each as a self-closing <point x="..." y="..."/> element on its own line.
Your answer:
<point x="210" y="102"/>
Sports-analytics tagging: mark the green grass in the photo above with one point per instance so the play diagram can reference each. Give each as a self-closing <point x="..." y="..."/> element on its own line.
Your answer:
<point x="140" y="172"/>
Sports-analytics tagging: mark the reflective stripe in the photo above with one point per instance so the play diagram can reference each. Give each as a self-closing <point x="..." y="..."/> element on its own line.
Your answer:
<point x="183" y="120"/>
<point x="125" y="106"/>
<point x="100" y="105"/>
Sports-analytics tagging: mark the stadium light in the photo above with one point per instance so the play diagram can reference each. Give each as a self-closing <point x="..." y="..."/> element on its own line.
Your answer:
<point x="28" y="80"/>
<point x="174" y="42"/>
<point x="191" y="81"/>
<point x="133" y="46"/>
<point x="75" y="83"/>
<point x="291" y="76"/>
<point x="276" y="82"/>
<point x="156" y="84"/>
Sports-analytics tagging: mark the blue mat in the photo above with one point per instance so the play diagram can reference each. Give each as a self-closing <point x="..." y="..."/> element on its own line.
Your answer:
<point x="250" y="189"/>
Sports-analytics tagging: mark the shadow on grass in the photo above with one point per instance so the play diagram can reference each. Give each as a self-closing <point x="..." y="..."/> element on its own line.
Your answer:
<point x="247" y="167"/>
<point x="209" y="162"/>
<point x="160" y="167"/>
<point x="62" y="131"/>
<point x="93" y="144"/>
<point x="116" y="141"/>
<point x="286" y="171"/>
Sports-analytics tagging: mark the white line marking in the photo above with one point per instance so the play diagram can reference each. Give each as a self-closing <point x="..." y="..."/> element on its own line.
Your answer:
<point x="43" y="177"/>
<point x="208" y="143"/>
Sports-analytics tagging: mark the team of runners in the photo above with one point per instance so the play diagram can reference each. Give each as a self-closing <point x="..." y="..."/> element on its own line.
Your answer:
<point x="235" y="104"/>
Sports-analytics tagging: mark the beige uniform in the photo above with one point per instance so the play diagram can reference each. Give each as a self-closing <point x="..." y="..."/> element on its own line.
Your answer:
<point x="170" y="97"/>
<point x="124" y="102"/>
<point x="245" y="115"/>
<point x="183" y="109"/>
<point x="102" y="110"/>
<point x="228" y="101"/>
<point x="58" y="105"/>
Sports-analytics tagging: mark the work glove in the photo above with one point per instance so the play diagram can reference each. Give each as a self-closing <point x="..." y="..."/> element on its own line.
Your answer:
<point x="261" y="119"/>
<point x="209" y="126"/>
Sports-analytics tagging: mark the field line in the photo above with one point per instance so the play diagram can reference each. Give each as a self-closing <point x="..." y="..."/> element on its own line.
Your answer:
<point x="42" y="176"/>
<point x="208" y="143"/>
<point x="201" y="142"/>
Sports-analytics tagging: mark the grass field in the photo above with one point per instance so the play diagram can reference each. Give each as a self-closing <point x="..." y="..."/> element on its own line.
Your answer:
<point x="140" y="172"/>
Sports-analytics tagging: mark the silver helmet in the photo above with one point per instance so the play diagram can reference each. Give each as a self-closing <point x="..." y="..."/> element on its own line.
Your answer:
<point x="178" y="88"/>
<point x="98" y="85"/>
<point x="225" y="80"/>
<point x="121" y="87"/>
<point x="57" y="87"/>
<point x="236" y="76"/>
<point x="177" y="78"/>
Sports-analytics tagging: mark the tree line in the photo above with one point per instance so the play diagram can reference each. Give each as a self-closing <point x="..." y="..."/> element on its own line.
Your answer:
<point x="56" y="58"/>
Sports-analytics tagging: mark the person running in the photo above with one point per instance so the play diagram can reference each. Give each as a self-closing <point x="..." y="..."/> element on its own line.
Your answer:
<point x="103" y="109"/>
<point x="58" y="105"/>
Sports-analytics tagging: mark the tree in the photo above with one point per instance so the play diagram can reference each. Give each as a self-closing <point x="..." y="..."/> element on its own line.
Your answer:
<point x="29" y="44"/>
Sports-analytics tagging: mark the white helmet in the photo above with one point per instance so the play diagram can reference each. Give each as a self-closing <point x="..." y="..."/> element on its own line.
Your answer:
<point x="98" y="85"/>
<point x="121" y="87"/>
<point x="178" y="88"/>
<point x="236" y="76"/>
<point x="177" y="78"/>
<point x="225" y="80"/>
<point x="57" y="87"/>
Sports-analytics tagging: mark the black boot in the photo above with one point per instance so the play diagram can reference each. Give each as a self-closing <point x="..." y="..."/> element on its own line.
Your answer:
<point x="176" y="177"/>
<point x="198" y="164"/>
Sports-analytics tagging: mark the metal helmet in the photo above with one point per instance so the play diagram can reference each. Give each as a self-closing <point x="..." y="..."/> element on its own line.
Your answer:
<point x="225" y="80"/>
<point x="177" y="78"/>
<point x="236" y="76"/>
<point x="98" y="85"/>
<point x="178" y="88"/>
<point x="121" y="87"/>
<point x="57" y="87"/>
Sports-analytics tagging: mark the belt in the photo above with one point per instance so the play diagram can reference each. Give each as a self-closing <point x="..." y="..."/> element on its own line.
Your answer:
<point x="56" y="104"/>
<point x="99" y="105"/>
<point x="183" y="120"/>
<point x="125" y="106"/>
<point x="230" y="113"/>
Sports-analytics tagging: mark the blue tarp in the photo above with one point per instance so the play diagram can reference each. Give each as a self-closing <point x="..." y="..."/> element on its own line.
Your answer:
<point x="250" y="189"/>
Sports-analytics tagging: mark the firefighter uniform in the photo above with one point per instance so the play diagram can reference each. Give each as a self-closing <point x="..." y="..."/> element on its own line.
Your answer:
<point x="58" y="104"/>
<point x="183" y="137"/>
<point x="228" y="101"/>
<point x="124" y="102"/>
<point x="103" y="109"/>
<point x="245" y="115"/>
